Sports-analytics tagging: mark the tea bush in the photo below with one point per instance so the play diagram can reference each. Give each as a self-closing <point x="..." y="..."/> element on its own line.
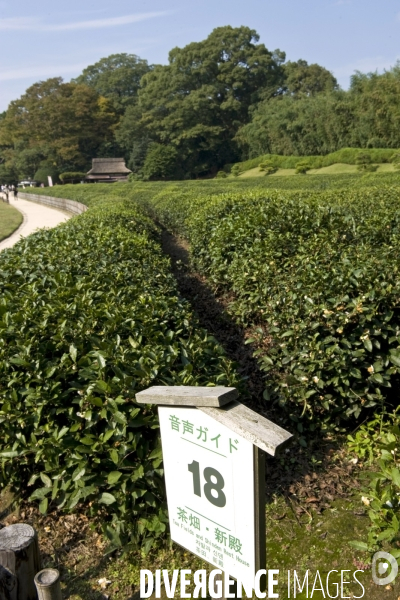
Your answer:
<point x="377" y="444"/>
<point x="89" y="315"/>
<point x="318" y="270"/>
<point x="321" y="271"/>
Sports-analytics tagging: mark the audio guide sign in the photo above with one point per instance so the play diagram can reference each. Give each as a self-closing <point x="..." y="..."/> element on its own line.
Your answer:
<point x="214" y="464"/>
<point x="209" y="476"/>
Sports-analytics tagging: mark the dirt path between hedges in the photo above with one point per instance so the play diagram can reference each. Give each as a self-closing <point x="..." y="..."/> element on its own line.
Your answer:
<point x="299" y="478"/>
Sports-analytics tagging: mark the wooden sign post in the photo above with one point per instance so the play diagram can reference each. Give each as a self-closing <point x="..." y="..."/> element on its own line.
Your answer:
<point x="214" y="464"/>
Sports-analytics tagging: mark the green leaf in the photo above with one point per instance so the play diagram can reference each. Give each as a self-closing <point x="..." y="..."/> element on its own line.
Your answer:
<point x="46" y="480"/>
<point x="73" y="352"/>
<point x="113" y="477"/>
<point x="78" y="473"/>
<point x="395" y="473"/>
<point x="368" y="345"/>
<point x="156" y="453"/>
<point x="107" y="498"/>
<point x="87" y="440"/>
<point x="359" y="546"/>
<point x="395" y="359"/>
<point x="40" y="493"/>
<point x="43" y="506"/>
<point x="119" y="417"/>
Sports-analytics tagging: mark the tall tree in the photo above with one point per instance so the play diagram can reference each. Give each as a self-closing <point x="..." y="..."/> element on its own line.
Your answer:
<point x="302" y="79"/>
<point x="61" y="123"/>
<point x="116" y="77"/>
<point x="199" y="100"/>
<point x="304" y="122"/>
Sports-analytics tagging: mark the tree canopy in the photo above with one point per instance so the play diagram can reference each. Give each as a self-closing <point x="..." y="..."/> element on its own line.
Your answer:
<point x="367" y="116"/>
<point x="116" y="77"/>
<point x="198" y="101"/>
<point x="217" y="101"/>
<point x="64" y="124"/>
<point x="302" y="79"/>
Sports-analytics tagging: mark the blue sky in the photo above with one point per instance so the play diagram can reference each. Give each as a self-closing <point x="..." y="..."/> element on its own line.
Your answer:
<point x="49" y="38"/>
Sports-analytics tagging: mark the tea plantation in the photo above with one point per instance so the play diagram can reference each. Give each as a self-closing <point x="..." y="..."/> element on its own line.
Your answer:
<point x="312" y="272"/>
<point x="89" y="315"/>
<point x="319" y="269"/>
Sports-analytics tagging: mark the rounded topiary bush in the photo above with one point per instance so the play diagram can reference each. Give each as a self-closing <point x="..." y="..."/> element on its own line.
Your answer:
<point x="43" y="172"/>
<point x="268" y="167"/>
<point x="302" y="167"/>
<point x="235" y="170"/>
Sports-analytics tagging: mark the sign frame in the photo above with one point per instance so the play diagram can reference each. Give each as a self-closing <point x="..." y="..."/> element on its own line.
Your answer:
<point x="220" y="403"/>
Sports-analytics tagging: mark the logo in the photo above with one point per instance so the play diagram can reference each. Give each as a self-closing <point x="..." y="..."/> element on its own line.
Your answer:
<point x="379" y="569"/>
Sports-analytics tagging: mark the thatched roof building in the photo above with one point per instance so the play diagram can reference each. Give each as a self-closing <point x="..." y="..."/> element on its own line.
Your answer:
<point x="108" y="170"/>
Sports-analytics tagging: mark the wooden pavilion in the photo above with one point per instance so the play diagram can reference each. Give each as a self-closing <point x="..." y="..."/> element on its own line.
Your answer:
<point x="107" y="170"/>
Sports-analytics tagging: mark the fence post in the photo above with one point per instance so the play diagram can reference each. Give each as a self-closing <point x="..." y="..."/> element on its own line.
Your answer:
<point x="48" y="585"/>
<point x="19" y="556"/>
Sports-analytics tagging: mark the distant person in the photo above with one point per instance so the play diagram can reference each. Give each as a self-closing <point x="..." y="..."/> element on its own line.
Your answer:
<point x="15" y="192"/>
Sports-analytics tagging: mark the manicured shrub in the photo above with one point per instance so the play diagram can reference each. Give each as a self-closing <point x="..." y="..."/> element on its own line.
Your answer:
<point x="44" y="172"/>
<point x="235" y="170"/>
<point x="268" y="167"/>
<point x="364" y="162"/>
<point x="396" y="160"/>
<point x="318" y="269"/>
<point x="302" y="167"/>
<point x="72" y="177"/>
<point x="89" y="315"/>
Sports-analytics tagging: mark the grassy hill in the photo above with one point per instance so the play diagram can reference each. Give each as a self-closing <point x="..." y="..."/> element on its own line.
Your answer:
<point x="340" y="162"/>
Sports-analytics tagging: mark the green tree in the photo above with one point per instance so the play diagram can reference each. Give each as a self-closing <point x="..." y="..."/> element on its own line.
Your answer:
<point x="198" y="101"/>
<point x="308" y="80"/>
<point x="161" y="163"/>
<point x="116" y="77"/>
<point x="62" y="123"/>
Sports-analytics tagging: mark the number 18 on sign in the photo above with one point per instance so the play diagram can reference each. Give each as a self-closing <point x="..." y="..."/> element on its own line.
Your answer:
<point x="209" y="476"/>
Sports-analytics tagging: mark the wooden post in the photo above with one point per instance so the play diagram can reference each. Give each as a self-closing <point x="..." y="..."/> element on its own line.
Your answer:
<point x="48" y="585"/>
<point x="19" y="553"/>
<point x="259" y="514"/>
<point x="8" y="581"/>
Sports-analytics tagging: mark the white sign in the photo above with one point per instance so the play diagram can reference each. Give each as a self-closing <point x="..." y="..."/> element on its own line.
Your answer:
<point x="209" y="475"/>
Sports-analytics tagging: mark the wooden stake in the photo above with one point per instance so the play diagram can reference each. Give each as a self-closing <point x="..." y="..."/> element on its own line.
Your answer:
<point x="8" y="583"/>
<point x="19" y="553"/>
<point x="48" y="584"/>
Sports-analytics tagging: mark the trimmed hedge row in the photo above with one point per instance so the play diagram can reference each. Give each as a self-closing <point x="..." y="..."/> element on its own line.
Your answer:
<point x="89" y="315"/>
<point x="318" y="271"/>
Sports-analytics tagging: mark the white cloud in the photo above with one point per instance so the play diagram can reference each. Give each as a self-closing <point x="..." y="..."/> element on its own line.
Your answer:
<point x="100" y="23"/>
<point x="35" y="24"/>
<point x="18" y="23"/>
<point x="43" y="71"/>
